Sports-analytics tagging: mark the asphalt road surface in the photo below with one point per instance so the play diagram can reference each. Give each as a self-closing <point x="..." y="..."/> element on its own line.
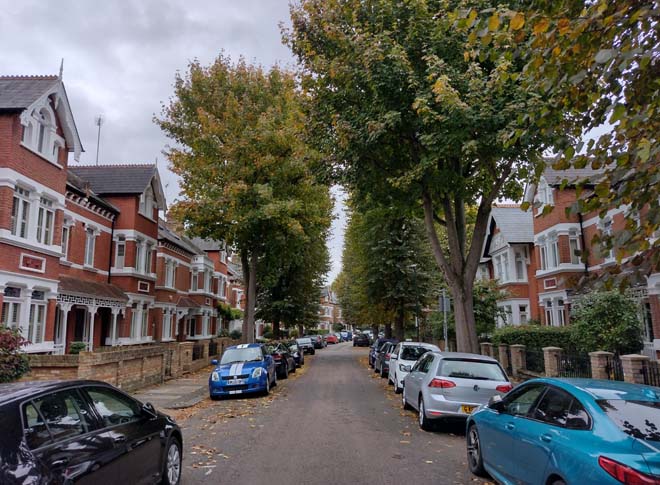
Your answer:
<point x="334" y="422"/>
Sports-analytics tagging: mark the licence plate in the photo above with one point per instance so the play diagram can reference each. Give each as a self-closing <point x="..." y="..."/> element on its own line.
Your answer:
<point x="467" y="409"/>
<point x="235" y="382"/>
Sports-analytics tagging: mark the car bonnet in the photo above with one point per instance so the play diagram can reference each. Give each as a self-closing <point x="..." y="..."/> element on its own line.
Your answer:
<point x="238" y="368"/>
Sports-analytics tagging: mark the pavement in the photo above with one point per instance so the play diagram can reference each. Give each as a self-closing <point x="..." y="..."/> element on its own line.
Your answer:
<point x="181" y="393"/>
<point x="333" y="422"/>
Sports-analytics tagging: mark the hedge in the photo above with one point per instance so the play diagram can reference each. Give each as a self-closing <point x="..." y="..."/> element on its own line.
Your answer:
<point x="535" y="336"/>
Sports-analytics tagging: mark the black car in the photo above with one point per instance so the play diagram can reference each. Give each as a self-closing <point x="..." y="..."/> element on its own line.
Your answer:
<point x="306" y="344"/>
<point x="317" y="340"/>
<point x="86" y="432"/>
<point x="361" y="340"/>
<point x="297" y="353"/>
<point x="382" y="361"/>
<point x="284" y="361"/>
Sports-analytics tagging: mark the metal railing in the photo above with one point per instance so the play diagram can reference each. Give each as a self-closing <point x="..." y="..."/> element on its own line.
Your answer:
<point x="651" y="373"/>
<point x="198" y="351"/>
<point x="614" y="368"/>
<point x="573" y="365"/>
<point x="535" y="361"/>
<point x="213" y="348"/>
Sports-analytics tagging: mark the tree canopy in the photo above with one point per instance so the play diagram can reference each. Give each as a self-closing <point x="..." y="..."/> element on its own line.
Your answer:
<point x="415" y="119"/>
<point x="245" y="167"/>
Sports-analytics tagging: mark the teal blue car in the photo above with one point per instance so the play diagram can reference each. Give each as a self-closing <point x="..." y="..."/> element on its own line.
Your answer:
<point x="568" y="431"/>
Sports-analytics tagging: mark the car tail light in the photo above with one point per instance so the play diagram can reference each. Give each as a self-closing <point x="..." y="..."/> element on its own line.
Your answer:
<point x="277" y="356"/>
<point x="441" y="383"/>
<point x="504" y="388"/>
<point x="625" y="474"/>
<point x="387" y="356"/>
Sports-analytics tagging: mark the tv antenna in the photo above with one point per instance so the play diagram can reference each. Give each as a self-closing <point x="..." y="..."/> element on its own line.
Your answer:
<point x="98" y="121"/>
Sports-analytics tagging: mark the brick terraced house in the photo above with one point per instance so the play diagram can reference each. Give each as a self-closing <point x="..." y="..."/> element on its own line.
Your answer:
<point x="539" y="259"/>
<point x="84" y="256"/>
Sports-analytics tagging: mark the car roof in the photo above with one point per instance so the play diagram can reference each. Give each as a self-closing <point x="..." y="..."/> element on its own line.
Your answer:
<point x="244" y="346"/>
<point x="464" y="355"/>
<point x="603" y="389"/>
<point x="418" y="344"/>
<point x="15" y="391"/>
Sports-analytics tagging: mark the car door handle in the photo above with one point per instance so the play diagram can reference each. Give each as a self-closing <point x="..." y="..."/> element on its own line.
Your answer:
<point x="60" y="462"/>
<point x="510" y="426"/>
<point x="119" y="439"/>
<point x="546" y="437"/>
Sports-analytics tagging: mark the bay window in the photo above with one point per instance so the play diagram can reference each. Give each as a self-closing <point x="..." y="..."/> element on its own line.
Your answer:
<point x="66" y="236"/>
<point x="193" y="281"/>
<point x="11" y="307"/>
<point x="90" y="242"/>
<point x="37" y="318"/>
<point x="167" y="325"/>
<point x="147" y="258"/>
<point x="45" y="219"/>
<point x="524" y="316"/>
<point x="20" y="212"/>
<point x="145" y="322"/>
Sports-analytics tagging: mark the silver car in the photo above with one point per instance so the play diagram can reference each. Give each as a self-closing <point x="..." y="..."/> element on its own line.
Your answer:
<point x="452" y="385"/>
<point x="404" y="357"/>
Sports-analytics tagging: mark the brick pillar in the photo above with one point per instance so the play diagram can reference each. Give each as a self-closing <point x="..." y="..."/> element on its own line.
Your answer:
<point x="503" y="355"/>
<point x="550" y="356"/>
<point x="632" y="367"/>
<point x="599" y="364"/>
<point x="654" y="303"/>
<point x="518" y="359"/>
<point x="486" y="349"/>
<point x="186" y="349"/>
<point x="51" y="312"/>
<point x="205" y="349"/>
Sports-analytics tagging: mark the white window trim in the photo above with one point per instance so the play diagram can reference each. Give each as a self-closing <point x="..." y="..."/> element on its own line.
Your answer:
<point x="94" y="231"/>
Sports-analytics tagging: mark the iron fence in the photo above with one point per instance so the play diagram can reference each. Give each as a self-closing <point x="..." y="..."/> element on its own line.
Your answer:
<point x="535" y="361"/>
<point x="573" y="365"/>
<point x="614" y="368"/>
<point x="651" y="373"/>
<point x="213" y="348"/>
<point x="198" y="351"/>
<point x="509" y="364"/>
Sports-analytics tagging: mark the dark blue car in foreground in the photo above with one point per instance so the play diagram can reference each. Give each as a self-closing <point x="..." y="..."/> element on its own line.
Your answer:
<point x="568" y="431"/>
<point x="243" y="369"/>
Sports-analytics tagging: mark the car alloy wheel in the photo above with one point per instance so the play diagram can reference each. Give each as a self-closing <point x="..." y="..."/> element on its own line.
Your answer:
<point x="475" y="460"/>
<point x="424" y="422"/>
<point x="403" y="398"/>
<point x="267" y="384"/>
<point x="173" y="463"/>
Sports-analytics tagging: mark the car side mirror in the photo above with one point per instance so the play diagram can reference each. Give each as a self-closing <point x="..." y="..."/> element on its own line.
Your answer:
<point x="495" y="402"/>
<point x="149" y="410"/>
<point x="214" y="362"/>
<point x="407" y="368"/>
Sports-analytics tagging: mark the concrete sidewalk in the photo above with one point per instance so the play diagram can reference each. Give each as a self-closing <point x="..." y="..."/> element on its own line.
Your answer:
<point x="180" y="393"/>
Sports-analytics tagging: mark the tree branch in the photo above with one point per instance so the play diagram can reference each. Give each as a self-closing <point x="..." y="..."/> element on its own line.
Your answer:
<point x="433" y="238"/>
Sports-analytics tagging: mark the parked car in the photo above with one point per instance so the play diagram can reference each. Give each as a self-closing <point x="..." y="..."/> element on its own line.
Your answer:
<point x="452" y="385"/>
<point x="375" y="347"/>
<point x="89" y="431"/>
<point x="297" y="353"/>
<point x="403" y="356"/>
<point x="317" y="340"/>
<point x="361" y="340"/>
<point x="243" y="369"/>
<point x="382" y="362"/>
<point x="284" y="361"/>
<point x="345" y="336"/>
<point x="568" y="431"/>
<point x="306" y="344"/>
<point x="332" y="339"/>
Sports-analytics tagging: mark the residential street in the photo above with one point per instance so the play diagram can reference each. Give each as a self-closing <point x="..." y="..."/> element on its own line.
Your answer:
<point x="334" y="421"/>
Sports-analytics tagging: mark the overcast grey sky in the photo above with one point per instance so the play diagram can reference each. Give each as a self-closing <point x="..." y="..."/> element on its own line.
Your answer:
<point x="120" y="58"/>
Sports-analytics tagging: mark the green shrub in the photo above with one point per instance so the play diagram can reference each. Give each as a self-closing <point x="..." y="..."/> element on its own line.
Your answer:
<point x="606" y="320"/>
<point x="13" y="362"/>
<point x="77" y="347"/>
<point x="293" y="333"/>
<point x="535" y="336"/>
<point x="235" y="334"/>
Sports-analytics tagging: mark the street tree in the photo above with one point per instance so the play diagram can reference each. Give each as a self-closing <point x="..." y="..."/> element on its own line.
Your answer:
<point x="412" y="116"/>
<point x="597" y="66"/>
<point x="242" y="159"/>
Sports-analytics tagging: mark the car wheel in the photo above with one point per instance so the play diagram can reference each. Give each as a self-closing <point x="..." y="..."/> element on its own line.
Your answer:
<point x="382" y="372"/>
<point x="285" y="374"/>
<point x="559" y="482"/>
<point x="267" y="391"/>
<point x="405" y="404"/>
<point x="172" y="470"/>
<point x="474" y="458"/>
<point x="424" y="422"/>
<point x="397" y="389"/>
<point x="215" y="398"/>
<point x="274" y="379"/>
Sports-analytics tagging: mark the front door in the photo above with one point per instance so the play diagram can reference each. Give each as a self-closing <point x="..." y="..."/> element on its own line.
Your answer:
<point x="80" y="330"/>
<point x="105" y="315"/>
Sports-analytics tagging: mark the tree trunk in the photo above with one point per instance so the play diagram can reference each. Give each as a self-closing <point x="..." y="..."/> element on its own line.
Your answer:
<point x="276" y="329"/>
<point x="246" y="282"/>
<point x="466" y="335"/>
<point x="398" y="324"/>
<point x="251" y="303"/>
<point x="301" y="330"/>
<point x="388" y="330"/>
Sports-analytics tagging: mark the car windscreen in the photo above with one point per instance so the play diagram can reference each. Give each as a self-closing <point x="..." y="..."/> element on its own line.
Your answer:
<point x="639" y="419"/>
<point x="471" y="369"/>
<point x="241" y="355"/>
<point x="304" y="341"/>
<point x="412" y="353"/>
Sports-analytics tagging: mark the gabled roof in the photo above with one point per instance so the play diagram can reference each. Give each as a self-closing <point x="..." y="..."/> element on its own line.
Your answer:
<point x="19" y="92"/>
<point x="572" y="175"/>
<point x="76" y="184"/>
<point x="23" y="93"/>
<point x="122" y="179"/>
<point x="515" y="225"/>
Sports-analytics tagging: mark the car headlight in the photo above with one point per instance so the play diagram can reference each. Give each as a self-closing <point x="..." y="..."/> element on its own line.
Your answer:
<point x="257" y="372"/>
<point x="215" y="376"/>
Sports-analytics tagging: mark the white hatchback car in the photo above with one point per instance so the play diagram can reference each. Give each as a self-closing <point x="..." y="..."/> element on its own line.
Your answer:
<point x="405" y="355"/>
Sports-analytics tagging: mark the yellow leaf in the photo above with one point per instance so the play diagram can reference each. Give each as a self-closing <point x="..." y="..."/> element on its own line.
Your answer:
<point x="472" y="16"/>
<point x="564" y="25"/>
<point x="466" y="56"/>
<point x="517" y="22"/>
<point x="494" y="22"/>
<point x="541" y="26"/>
<point x="556" y="51"/>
